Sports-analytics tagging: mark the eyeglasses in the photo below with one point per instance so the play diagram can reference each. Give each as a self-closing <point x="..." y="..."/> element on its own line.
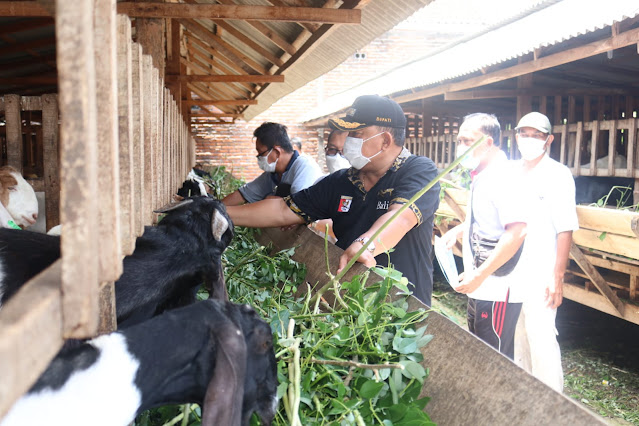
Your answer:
<point x="537" y="135"/>
<point x="333" y="151"/>
<point x="263" y="153"/>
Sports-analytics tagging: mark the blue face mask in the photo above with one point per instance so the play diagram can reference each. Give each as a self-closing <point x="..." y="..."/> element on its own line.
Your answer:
<point x="469" y="162"/>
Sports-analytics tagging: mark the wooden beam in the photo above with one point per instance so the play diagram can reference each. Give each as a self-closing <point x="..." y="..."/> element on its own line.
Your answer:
<point x="550" y="61"/>
<point x="240" y="12"/>
<point x="78" y="167"/>
<point x="596" y="301"/>
<point x="228" y="78"/>
<point x="217" y="114"/>
<point x="22" y="8"/>
<point x="596" y="279"/>
<point x="215" y="102"/>
<point x="13" y="128"/>
<point x="30" y="334"/>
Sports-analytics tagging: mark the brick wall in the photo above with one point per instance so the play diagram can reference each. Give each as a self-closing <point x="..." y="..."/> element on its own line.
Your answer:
<point x="232" y="146"/>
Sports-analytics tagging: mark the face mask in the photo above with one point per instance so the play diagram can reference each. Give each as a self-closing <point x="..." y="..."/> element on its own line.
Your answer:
<point x="469" y="162"/>
<point x="531" y="148"/>
<point x="336" y="162"/>
<point x="353" y="151"/>
<point x="263" y="163"/>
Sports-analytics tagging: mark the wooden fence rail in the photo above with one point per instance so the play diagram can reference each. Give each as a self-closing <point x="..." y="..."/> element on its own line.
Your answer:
<point x="124" y="149"/>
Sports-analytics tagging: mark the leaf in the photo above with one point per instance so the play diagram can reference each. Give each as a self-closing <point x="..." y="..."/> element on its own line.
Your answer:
<point x="602" y="236"/>
<point x="370" y="389"/>
<point x="281" y="389"/>
<point x="413" y="370"/>
<point x="423" y="341"/>
<point x="404" y="345"/>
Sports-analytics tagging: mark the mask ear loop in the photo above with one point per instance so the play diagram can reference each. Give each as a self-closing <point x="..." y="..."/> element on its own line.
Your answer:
<point x="378" y="152"/>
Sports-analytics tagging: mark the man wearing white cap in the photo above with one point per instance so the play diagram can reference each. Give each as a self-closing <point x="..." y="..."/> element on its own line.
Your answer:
<point x="551" y="190"/>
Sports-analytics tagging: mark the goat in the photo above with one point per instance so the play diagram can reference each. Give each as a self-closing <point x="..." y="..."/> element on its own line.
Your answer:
<point x="18" y="199"/>
<point x="194" y="184"/>
<point x="169" y="263"/>
<point x="214" y="353"/>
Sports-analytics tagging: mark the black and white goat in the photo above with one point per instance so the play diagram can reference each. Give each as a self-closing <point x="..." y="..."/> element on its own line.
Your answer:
<point x="168" y="265"/>
<point x="214" y="353"/>
<point x="194" y="184"/>
<point x="18" y="203"/>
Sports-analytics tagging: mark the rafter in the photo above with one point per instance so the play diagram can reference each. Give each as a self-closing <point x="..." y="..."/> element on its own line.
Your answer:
<point x="241" y="12"/>
<point x="228" y="90"/>
<point x="198" y="47"/>
<point x="229" y="78"/>
<point x="216" y="102"/>
<point x="208" y="65"/>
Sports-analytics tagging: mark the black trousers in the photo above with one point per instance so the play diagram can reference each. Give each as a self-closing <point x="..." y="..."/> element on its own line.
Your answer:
<point x="494" y="323"/>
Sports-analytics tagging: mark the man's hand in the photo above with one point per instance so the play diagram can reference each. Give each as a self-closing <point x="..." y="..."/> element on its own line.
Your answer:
<point x="366" y="258"/>
<point x="554" y="293"/>
<point x="470" y="281"/>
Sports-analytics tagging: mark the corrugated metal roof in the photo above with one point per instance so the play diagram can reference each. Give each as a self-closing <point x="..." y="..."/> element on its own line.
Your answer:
<point x="556" y="23"/>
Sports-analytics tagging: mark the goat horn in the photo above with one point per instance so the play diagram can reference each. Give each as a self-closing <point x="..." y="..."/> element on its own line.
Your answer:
<point x="172" y="206"/>
<point x="219" y="225"/>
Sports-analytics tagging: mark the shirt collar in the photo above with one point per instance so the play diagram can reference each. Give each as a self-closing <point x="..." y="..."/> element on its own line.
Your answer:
<point x="274" y="175"/>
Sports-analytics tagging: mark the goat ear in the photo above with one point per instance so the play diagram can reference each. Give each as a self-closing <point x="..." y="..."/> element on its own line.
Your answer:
<point x="172" y="206"/>
<point x="225" y="391"/>
<point x="262" y="340"/>
<point x="219" y="225"/>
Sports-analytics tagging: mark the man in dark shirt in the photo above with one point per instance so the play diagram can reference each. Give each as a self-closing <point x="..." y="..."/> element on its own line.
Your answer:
<point x="362" y="198"/>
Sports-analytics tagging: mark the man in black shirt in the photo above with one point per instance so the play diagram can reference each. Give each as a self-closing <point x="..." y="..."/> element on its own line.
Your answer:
<point x="362" y="198"/>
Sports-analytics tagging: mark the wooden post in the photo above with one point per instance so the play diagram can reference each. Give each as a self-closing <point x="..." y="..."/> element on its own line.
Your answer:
<point x="12" y="114"/>
<point x="137" y="99"/>
<point x="50" y="132"/>
<point x="632" y="141"/>
<point x="593" y="148"/>
<point x="612" y="140"/>
<point x="78" y="171"/>
<point x="147" y="105"/>
<point x="125" y="131"/>
<point x="524" y="102"/>
<point x="151" y="36"/>
<point x="110" y="259"/>
<point x="157" y="136"/>
<point x="572" y="139"/>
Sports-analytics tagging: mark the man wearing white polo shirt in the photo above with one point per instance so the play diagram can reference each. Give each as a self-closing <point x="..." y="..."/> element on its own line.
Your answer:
<point x="551" y="191"/>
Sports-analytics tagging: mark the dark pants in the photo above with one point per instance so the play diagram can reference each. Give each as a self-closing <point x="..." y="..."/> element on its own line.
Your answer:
<point x="494" y="323"/>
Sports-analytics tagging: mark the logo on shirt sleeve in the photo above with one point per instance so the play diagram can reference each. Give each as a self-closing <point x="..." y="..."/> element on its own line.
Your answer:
<point x="344" y="204"/>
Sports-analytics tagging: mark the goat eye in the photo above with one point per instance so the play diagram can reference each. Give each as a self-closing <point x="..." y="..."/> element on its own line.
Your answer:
<point x="13" y="188"/>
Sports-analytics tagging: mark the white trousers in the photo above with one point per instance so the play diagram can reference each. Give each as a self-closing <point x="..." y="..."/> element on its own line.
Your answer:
<point x="536" y="347"/>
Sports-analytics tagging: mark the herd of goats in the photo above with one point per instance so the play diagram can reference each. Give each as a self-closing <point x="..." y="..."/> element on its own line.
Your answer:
<point x="168" y="347"/>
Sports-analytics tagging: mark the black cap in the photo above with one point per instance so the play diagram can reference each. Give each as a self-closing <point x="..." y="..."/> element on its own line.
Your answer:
<point x="370" y="110"/>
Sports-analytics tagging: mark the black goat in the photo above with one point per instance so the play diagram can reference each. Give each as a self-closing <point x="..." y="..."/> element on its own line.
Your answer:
<point x="169" y="263"/>
<point x="214" y="353"/>
<point x="194" y="184"/>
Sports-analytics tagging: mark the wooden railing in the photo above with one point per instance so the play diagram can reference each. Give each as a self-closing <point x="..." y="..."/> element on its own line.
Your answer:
<point x="124" y="149"/>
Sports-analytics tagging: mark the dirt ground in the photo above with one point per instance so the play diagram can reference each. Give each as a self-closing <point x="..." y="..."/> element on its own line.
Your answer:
<point x="600" y="354"/>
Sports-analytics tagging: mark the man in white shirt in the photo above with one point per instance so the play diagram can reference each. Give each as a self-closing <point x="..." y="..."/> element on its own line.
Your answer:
<point x="495" y="213"/>
<point x="551" y="191"/>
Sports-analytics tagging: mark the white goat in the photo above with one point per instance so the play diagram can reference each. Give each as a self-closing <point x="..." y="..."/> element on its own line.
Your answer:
<point x="18" y="199"/>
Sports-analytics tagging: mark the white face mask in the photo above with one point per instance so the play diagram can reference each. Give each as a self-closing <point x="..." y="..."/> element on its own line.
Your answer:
<point x="336" y="162"/>
<point x="469" y="162"/>
<point x="353" y="151"/>
<point x="531" y="148"/>
<point x="263" y="163"/>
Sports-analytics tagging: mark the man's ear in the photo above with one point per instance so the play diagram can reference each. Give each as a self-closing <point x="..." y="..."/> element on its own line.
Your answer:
<point x="388" y="139"/>
<point x="550" y="139"/>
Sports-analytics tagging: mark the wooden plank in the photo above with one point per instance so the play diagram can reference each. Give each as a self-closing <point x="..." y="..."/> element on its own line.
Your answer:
<point x="148" y="194"/>
<point x="597" y="301"/>
<point x="150" y="33"/>
<point x="78" y="167"/>
<point x="612" y="140"/>
<point x="30" y="334"/>
<point x="50" y="131"/>
<point x="23" y="8"/>
<point x="241" y="12"/>
<point x="137" y="97"/>
<point x="125" y="134"/>
<point x="214" y="102"/>
<point x="108" y="316"/>
<point x="593" y="148"/>
<point x="110" y="259"/>
<point x="578" y="140"/>
<point x="634" y="284"/>
<point x="13" y="131"/>
<point x="230" y="78"/>
<point x="596" y="278"/>
<point x="610" y="243"/>
<point x="611" y="221"/>
<point x="31" y="103"/>
<point x="632" y="142"/>
<point x="569" y="55"/>
<point x="459" y="212"/>
<point x="157" y="122"/>
<point x="613" y="265"/>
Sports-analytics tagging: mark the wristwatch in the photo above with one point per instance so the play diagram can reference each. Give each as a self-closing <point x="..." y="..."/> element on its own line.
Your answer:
<point x="364" y="240"/>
